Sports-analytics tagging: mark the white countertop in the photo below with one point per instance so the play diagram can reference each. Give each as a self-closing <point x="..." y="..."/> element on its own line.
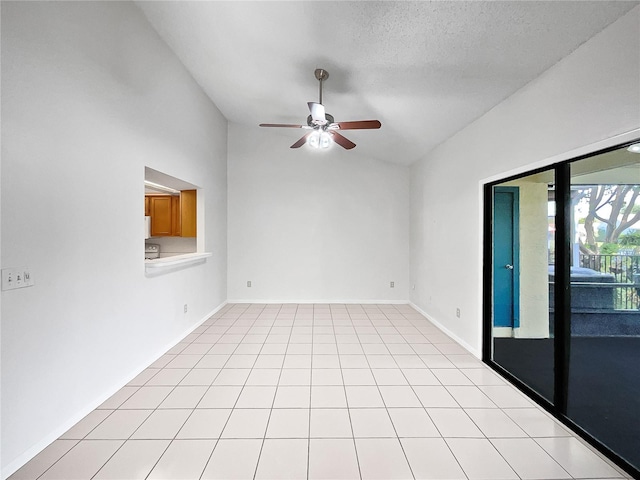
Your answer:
<point x="158" y="265"/>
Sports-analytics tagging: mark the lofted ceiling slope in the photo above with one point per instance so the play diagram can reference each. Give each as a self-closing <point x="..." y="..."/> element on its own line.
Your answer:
<point x="424" y="69"/>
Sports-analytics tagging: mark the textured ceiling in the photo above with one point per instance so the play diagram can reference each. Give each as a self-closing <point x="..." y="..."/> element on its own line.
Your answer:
<point x="424" y="69"/>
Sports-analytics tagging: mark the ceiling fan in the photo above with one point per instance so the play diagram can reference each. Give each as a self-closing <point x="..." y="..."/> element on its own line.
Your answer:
<point x="322" y="125"/>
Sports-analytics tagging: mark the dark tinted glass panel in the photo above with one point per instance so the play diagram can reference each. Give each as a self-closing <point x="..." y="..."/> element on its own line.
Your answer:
<point x="523" y="220"/>
<point x="604" y="366"/>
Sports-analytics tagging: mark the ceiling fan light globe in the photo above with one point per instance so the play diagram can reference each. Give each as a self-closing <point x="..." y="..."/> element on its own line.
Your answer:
<point x="325" y="140"/>
<point x="314" y="140"/>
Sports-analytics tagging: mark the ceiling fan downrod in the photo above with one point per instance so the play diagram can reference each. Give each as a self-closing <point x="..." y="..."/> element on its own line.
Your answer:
<point x="321" y="74"/>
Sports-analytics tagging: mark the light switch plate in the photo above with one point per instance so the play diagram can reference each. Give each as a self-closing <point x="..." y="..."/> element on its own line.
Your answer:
<point x="19" y="277"/>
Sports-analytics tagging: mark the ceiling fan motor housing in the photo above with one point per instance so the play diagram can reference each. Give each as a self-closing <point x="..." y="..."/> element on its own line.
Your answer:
<point x="329" y="118"/>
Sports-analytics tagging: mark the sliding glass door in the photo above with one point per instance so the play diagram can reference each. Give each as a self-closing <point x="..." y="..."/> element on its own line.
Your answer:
<point x="562" y="286"/>
<point x="603" y="394"/>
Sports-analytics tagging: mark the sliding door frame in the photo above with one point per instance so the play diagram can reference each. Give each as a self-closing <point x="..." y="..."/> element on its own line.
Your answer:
<point x="562" y="300"/>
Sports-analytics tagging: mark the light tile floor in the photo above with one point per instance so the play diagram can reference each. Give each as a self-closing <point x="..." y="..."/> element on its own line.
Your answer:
<point x="318" y="392"/>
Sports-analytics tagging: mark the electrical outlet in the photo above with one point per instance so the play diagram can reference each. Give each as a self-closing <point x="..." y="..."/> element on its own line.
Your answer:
<point x="458" y="312"/>
<point x="413" y="287"/>
<point x="8" y="279"/>
<point x="248" y="283"/>
<point x="185" y="308"/>
<point x="392" y="284"/>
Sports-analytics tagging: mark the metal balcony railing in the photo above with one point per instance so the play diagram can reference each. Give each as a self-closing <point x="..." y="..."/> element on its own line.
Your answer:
<point x="626" y="272"/>
<point x="623" y="267"/>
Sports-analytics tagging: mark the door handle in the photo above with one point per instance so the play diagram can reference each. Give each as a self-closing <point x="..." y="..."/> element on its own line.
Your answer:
<point x="508" y="267"/>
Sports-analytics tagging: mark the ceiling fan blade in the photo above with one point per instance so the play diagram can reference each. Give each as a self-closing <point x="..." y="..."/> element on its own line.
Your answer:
<point x="358" y="125"/>
<point x="301" y="142"/>
<point x="283" y="125"/>
<point x="317" y="112"/>
<point x="342" y="141"/>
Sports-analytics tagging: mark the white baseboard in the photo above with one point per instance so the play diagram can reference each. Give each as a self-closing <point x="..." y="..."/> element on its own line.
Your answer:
<point x="341" y="301"/>
<point x="473" y="351"/>
<point x="21" y="460"/>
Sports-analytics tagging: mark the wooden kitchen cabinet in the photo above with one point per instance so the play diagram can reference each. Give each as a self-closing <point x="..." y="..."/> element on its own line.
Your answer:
<point x="176" y="223"/>
<point x="161" y="215"/>
<point x="172" y="215"/>
<point x="188" y="213"/>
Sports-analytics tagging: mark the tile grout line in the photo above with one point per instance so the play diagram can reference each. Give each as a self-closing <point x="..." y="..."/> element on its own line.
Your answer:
<point x="266" y="428"/>
<point x="385" y="405"/>
<point x="425" y="408"/>
<point x="513" y="468"/>
<point x="206" y="464"/>
<point x="374" y="379"/>
<point x="198" y="403"/>
<point x="344" y="387"/>
<point x="310" y="390"/>
<point x="241" y="390"/>
<point x="434" y="423"/>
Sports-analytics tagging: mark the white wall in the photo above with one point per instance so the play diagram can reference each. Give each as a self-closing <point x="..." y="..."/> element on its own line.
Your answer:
<point x="310" y="226"/>
<point x="590" y="96"/>
<point x="90" y="96"/>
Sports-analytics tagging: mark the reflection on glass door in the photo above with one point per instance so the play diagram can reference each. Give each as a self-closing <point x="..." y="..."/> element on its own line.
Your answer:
<point x="604" y="364"/>
<point x="522" y="253"/>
